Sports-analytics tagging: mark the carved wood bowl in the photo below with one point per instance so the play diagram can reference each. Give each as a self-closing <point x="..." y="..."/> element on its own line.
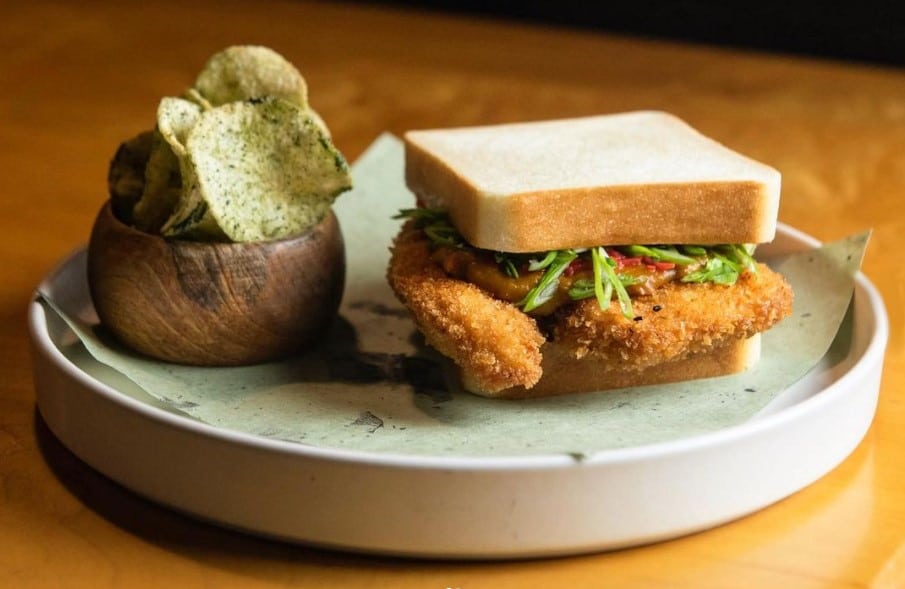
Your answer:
<point x="215" y="304"/>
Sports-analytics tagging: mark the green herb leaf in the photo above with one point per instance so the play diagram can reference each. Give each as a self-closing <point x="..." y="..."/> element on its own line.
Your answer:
<point x="603" y="293"/>
<point x="506" y="264"/>
<point x="581" y="289"/>
<point x="422" y="215"/>
<point x="441" y="235"/>
<point x="739" y="254"/>
<point x="436" y="226"/>
<point x="534" y="265"/>
<point x="720" y="264"/>
<point x="549" y="282"/>
<point x="609" y="272"/>
<point x="659" y="253"/>
<point x="694" y="250"/>
<point x="724" y="266"/>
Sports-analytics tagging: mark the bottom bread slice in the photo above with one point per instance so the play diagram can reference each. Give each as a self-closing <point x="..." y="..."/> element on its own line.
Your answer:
<point x="564" y="374"/>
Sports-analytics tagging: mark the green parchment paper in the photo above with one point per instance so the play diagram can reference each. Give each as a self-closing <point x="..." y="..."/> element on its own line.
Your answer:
<point x="373" y="386"/>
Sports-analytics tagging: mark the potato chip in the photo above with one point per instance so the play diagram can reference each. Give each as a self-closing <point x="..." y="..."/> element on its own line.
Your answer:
<point x="265" y="168"/>
<point x="175" y="118"/>
<point x="126" y="177"/>
<point x="273" y="173"/>
<point x="162" y="187"/>
<point x="194" y="96"/>
<point x="247" y="71"/>
<point x="167" y="168"/>
<point x="244" y="72"/>
<point x="191" y="219"/>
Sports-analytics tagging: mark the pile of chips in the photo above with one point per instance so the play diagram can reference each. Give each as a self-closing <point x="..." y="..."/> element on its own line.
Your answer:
<point x="240" y="157"/>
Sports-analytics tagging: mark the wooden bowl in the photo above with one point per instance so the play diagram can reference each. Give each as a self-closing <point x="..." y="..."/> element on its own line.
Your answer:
<point x="215" y="304"/>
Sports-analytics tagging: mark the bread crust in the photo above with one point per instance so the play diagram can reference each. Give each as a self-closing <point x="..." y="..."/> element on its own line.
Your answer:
<point x="564" y="374"/>
<point x="669" y="184"/>
<point x="683" y="331"/>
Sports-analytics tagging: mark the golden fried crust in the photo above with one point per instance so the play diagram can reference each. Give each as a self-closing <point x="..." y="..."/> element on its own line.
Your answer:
<point x="498" y="347"/>
<point x="493" y="342"/>
<point x="676" y="321"/>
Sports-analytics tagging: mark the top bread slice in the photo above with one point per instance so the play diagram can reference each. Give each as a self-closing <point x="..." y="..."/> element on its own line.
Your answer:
<point x="641" y="177"/>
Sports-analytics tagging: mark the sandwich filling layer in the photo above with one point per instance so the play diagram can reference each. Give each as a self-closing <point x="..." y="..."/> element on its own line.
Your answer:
<point x="540" y="283"/>
<point x="625" y="307"/>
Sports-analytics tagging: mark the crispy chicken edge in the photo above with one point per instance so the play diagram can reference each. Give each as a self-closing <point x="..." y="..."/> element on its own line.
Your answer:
<point x="497" y="346"/>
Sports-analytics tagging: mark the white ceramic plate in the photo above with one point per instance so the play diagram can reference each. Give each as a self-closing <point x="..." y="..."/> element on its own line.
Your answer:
<point x="482" y="507"/>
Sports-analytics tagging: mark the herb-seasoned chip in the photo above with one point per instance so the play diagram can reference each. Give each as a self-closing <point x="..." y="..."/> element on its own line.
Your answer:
<point x="167" y="168"/>
<point x="191" y="219"/>
<point x="265" y="168"/>
<point x="175" y="118"/>
<point x="319" y="121"/>
<point x="126" y="178"/>
<point x="162" y="187"/>
<point x="240" y="157"/>
<point x="247" y="71"/>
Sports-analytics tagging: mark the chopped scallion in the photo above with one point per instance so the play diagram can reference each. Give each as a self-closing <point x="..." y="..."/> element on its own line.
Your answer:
<point x="549" y="282"/>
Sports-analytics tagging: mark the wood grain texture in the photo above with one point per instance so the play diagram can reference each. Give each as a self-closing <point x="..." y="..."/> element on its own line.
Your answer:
<point x="80" y="77"/>
<point x="215" y="304"/>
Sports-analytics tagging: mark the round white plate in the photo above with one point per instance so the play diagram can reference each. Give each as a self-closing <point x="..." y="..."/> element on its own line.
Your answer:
<point x="480" y="507"/>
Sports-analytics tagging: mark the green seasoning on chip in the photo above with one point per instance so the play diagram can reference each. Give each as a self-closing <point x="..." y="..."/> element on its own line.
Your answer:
<point x="265" y="168"/>
<point x="162" y="187"/>
<point x="185" y="217"/>
<point x="175" y="119"/>
<point x="242" y="157"/>
<point x="126" y="177"/>
<point x="166" y="171"/>
<point x="243" y="72"/>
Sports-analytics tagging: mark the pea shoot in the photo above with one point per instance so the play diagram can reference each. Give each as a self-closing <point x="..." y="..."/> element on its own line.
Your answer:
<point x="719" y="264"/>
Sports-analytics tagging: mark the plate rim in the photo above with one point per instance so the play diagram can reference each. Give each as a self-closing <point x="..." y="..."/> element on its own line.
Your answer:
<point x="656" y="450"/>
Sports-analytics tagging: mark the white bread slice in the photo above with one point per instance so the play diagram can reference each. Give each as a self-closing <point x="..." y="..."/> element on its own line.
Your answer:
<point x="563" y="374"/>
<point x="638" y="177"/>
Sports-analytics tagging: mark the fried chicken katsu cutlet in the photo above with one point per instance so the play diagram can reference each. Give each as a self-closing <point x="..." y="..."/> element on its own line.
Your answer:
<point x="529" y="260"/>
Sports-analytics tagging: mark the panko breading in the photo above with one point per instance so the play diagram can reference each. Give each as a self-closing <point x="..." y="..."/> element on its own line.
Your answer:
<point x="497" y="346"/>
<point x="679" y="319"/>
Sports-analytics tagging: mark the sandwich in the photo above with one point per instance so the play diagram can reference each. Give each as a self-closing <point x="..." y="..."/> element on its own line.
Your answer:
<point x="587" y="254"/>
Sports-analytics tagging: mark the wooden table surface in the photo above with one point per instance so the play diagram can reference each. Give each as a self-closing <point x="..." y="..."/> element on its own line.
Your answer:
<point x="77" y="78"/>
